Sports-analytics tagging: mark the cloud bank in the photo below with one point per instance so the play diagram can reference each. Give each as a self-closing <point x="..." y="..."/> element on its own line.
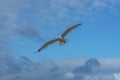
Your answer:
<point x="25" y="69"/>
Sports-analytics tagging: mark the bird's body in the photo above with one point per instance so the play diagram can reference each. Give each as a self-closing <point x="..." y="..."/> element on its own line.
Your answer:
<point x="61" y="38"/>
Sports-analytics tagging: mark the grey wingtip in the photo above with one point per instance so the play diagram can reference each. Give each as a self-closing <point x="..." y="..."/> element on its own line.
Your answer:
<point x="79" y="24"/>
<point x="39" y="50"/>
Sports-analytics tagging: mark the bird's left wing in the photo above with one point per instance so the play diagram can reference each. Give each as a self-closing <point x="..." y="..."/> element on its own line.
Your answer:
<point x="48" y="43"/>
<point x="69" y="29"/>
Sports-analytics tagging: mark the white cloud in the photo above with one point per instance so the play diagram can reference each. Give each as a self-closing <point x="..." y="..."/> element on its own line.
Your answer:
<point x="68" y="76"/>
<point x="117" y="76"/>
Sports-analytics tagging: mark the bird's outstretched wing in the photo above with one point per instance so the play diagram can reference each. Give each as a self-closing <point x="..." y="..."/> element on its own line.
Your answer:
<point x="48" y="43"/>
<point x="69" y="29"/>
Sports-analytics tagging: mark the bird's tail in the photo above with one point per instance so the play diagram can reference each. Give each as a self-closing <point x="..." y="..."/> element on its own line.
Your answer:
<point x="61" y="43"/>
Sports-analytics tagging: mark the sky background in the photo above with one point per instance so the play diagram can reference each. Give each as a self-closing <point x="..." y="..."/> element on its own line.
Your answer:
<point x="29" y="24"/>
<point x="25" y="25"/>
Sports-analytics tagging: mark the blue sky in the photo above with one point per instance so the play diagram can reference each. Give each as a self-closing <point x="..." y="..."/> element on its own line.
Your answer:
<point x="98" y="36"/>
<point x="29" y="24"/>
<point x="92" y="51"/>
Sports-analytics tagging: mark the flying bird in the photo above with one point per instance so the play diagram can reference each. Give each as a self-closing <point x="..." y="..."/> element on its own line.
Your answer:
<point x="60" y="39"/>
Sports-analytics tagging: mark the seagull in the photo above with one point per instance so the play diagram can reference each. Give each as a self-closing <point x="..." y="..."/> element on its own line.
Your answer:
<point x="60" y="39"/>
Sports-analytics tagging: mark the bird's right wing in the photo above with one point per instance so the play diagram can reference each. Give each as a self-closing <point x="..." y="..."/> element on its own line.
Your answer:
<point x="48" y="43"/>
<point x="70" y="29"/>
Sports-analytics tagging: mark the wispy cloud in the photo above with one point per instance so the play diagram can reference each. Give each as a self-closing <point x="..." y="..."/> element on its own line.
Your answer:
<point x="28" y="31"/>
<point x="52" y="11"/>
<point x="60" y="12"/>
<point x="14" y="13"/>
